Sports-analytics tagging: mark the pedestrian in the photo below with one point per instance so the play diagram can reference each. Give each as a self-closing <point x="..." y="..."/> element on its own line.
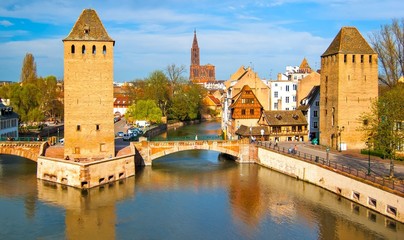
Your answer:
<point x="295" y="149"/>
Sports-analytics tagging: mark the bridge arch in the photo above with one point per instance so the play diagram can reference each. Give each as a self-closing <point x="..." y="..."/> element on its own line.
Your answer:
<point x="29" y="150"/>
<point x="149" y="151"/>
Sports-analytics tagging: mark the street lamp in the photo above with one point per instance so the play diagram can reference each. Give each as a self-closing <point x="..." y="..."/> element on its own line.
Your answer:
<point x="262" y="134"/>
<point x="58" y="136"/>
<point x="340" y="129"/>
<point x="250" y="134"/>
<point x="368" y="144"/>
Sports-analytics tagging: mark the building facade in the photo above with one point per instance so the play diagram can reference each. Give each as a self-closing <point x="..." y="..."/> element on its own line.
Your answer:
<point x="349" y="83"/>
<point x="88" y="89"/>
<point x="310" y="106"/>
<point x="8" y="122"/>
<point x="198" y="73"/>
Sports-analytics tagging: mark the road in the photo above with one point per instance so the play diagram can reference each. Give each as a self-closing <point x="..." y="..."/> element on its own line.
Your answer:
<point x="351" y="158"/>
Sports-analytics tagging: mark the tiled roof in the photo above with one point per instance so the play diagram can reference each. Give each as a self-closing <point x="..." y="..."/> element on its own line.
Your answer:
<point x="348" y="41"/>
<point x="88" y="27"/>
<point x="304" y="64"/>
<point x="214" y="100"/>
<point x="284" y="118"/>
<point x="255" y="131"/>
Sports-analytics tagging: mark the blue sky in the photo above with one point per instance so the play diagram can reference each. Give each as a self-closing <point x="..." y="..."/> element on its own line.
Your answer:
<point x="151" y="34"/>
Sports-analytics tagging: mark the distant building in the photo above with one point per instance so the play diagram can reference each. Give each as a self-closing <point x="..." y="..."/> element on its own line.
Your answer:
<point x="349" y="84"/>
<point x="284" y="125"/>
<point x="310" y="106"/>
<point x="245" y="110"/>
<point x="8" y="122"/>
<point x="306" y="84"/>
<point x="283" y="94"/>
<point x="242" y="77"/>
<point x="284" y="90"/>
<point x="200" y="73"/>
<point x="88" y="89"/>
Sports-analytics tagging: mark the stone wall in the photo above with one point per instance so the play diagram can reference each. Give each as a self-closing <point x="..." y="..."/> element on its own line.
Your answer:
<point x="85" y="175"/>
<point x="374" y="198"/>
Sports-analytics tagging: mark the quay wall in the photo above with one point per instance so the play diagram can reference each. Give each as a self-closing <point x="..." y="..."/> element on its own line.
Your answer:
<point x="376" y="199"/>
<point x="85" y="174"/>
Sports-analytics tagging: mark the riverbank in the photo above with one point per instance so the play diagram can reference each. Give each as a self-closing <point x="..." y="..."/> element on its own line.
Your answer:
<point x="375" y="198"/>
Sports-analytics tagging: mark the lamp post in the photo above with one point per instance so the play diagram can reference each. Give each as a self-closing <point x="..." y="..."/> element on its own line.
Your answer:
<point x="58" y="136"/>
<point x="250" y="134"/>
<point x="340" y="129"/>
<point x="368" y="144"/>
<point x="262" y="134"/>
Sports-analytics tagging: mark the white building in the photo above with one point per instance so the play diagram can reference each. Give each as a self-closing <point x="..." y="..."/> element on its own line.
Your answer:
<point x="8" y="122"/>
<point x="283" y="94"/>
<point x="310" y="106"/>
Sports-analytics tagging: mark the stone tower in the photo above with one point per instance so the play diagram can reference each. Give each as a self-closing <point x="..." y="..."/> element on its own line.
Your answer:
<point x="198" y="73"/>
<point x="348" y="84"/>
<point x="88" y="89"/>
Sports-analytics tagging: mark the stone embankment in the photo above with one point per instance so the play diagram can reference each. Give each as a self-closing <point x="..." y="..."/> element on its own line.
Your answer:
<point x="376" y="198"/>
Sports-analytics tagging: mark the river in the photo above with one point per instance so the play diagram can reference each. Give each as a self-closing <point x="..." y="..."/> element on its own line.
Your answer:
<point x="188" y="195"/>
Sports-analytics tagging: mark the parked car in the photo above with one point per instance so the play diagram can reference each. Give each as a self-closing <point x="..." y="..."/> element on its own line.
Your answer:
<point x="120" y="134"/>
<point x="126" y="137"/>
<point x="62" y="141"/>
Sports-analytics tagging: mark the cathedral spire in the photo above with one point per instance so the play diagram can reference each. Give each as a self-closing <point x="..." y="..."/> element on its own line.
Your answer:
<point x="195" y="51"/>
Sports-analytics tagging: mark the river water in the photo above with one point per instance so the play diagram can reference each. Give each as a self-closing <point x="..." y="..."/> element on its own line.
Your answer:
<point x="188" y="195"/>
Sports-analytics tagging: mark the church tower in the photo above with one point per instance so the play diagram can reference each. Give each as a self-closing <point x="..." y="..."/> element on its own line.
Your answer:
<point x="88" y="89"/>
<point x="195" y="51"/>
<point x="197" y="73"/>
<point x="348" y="85"/>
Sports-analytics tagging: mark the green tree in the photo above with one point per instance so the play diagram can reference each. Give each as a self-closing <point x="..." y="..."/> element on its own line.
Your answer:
<point x="157" y="89"/>
<point x="389" y="45"/>
<point x="187" y="102"/>
<point x="384" y="124"/>
<point x="144" y="110"/>
<point x="28" y="71"/>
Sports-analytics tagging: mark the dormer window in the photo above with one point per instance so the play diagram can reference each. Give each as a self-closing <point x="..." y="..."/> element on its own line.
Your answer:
<point x="86" y="29"/>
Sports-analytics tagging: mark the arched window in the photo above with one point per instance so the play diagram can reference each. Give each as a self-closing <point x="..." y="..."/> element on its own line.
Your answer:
<point x="104" y="50"/>
<point x="73" y="49"/>
<point x="94" y="49"/>
<point x="83" y="49"/>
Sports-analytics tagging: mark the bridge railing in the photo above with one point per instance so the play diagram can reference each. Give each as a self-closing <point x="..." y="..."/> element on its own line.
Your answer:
<point x="188" y="138"/>
<point x="393" y="184"/>
<point x="23" y="139"/>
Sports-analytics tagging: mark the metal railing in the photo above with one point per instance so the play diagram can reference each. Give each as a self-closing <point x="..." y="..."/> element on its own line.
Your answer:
<point x="188" y="138"/>
<point x="393" y="184"/>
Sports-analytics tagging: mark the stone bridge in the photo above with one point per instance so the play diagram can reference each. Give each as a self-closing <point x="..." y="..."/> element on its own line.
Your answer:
<point x="29" y="150"/>
<point x="146" y="152"/>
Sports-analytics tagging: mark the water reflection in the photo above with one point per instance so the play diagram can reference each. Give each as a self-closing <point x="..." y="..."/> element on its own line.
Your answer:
<point x="192" y="194"/>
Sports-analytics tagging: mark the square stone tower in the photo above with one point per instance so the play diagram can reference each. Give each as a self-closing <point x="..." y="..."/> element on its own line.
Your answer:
<point x="348" y="85"/>
<point x="88" y="89"/>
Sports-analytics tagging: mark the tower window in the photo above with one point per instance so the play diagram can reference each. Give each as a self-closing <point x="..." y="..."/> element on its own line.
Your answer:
<point x="73" y="49"/>
<point x="104" y="50"/>
<point x="353" y="58"/>
<point x="94" y="49"/>
<point x="97" y="127"/>
<point x="83" y="49"/>
<point x="361" y="58"/>
<point x="370" y="58"/>
<point x="78" y="128"/>
<point x="345" y="58"/>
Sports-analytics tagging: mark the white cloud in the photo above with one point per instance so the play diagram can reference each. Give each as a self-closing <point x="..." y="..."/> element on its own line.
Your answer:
<point x="6" y="23"/>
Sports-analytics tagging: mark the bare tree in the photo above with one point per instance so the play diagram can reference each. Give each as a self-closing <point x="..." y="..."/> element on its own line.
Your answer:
<point x="389" y="45"/>
<point x="28" y="71"/>
<point x="174" y="73"/>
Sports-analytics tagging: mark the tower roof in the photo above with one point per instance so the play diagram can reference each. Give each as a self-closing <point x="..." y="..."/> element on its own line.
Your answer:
<point x="304" y="64"/>
<point x="195" y="42"/>
<point x="348" y="41"/>
<point x="88" y="27"/>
